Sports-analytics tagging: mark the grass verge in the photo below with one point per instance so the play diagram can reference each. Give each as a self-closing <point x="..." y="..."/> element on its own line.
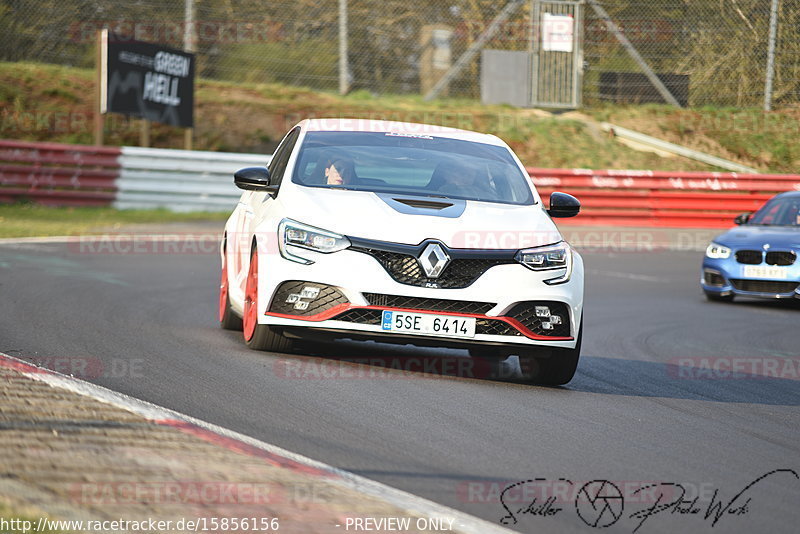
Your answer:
<point x="30" y="220"/>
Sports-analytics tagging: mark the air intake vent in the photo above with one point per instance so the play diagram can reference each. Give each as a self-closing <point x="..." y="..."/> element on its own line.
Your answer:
<point x="424" y="204"/>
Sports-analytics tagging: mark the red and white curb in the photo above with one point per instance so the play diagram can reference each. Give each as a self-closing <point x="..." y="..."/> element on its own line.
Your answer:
<point x="235" y="441"/>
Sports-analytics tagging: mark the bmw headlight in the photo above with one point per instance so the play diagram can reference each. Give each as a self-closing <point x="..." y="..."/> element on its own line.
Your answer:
<point x="547" y="258"/>
<point x="295" y="234"/>
<point x="717" y="251"/>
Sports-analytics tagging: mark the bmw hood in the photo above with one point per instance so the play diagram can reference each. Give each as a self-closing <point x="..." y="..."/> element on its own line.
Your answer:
<point x="411" y="219"/>
<point x="757" y="236"/>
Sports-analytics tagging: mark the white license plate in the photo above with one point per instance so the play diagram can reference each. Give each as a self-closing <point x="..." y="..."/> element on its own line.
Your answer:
<point x="760" y="271"/>
<point x="428" y="324"/>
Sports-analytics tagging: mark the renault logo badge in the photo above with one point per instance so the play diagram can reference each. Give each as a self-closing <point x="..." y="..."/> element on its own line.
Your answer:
<point x="433" y="260"/>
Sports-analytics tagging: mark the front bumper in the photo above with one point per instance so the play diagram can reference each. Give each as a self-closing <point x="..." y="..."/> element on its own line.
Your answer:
<point x="726" y="277"/>
<point x="354" y="288"/>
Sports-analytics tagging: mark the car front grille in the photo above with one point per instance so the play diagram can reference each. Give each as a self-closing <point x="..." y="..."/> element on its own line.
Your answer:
<point x="750" y="257"/>
<point x="525" y="313"/>
<point x="418" y="303"/>
<point x="288" y="297"/>
<point x="360" y="316"/>
<point x="459" y="273"/>
<point x="764" y="286"/>
<point x="493" y="327"/>
<point x="781" y="257"/>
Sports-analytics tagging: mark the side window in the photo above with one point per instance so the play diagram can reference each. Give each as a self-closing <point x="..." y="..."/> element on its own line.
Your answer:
<point x="277" y="166"/>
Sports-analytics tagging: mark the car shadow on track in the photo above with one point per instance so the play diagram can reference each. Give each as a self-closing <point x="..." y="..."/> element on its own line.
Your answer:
<point x="769" y="381"/>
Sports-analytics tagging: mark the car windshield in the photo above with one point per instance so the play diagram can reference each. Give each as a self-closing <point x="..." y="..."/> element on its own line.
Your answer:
<point x="780" y="211"/>
<point x="411" y="164"/>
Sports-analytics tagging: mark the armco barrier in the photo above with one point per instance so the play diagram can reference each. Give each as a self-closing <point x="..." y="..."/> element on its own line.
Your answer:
<point x="180" y="180"/>
<point x="58" y="174"/>
<point x="658" y="198"/>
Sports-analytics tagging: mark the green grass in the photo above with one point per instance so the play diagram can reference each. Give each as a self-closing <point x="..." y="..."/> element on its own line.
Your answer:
<point x="16" y="518"/>
<point x="767" y="141"/>
<point x="28" y="220"/>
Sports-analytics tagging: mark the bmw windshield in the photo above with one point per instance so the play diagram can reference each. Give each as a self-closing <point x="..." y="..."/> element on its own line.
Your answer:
<point x="780" y="211"/>
<point x="412" y="164"/>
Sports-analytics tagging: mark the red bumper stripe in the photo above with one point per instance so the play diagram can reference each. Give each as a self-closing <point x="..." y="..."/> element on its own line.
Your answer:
<point x="341" y="308"/>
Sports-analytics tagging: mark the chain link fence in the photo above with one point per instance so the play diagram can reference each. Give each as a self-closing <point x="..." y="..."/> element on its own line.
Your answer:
<point x="707" y="52"/>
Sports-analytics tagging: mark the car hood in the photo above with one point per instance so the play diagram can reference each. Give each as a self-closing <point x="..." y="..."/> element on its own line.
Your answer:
<point x="756" y="236"/>
<point x="477" y="225"/>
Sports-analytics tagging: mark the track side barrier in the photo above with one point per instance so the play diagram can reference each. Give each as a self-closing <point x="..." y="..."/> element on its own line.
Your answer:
<point x="660" y="198"/>
<point x="180" y="180"/>
<point x="57" y="174"/>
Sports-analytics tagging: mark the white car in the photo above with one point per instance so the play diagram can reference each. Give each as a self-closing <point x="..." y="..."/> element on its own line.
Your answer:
<point x="407" y="233"/>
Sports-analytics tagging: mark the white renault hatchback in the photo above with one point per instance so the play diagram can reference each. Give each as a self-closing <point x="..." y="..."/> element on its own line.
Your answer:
<point x="405" y="233"/>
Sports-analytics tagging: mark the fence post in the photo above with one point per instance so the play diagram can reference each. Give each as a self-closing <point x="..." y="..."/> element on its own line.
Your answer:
<point x="343" y="62"/>
<point x="773" y="31"/>
<point x="189" y="46"/>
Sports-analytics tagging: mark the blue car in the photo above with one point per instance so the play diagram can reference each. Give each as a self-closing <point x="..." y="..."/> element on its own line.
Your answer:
<point x="759" y="257"/>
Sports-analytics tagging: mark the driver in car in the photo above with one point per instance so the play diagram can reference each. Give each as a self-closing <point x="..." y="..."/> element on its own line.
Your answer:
<point x="339" y="171"/>
<point x="460" y="180"/>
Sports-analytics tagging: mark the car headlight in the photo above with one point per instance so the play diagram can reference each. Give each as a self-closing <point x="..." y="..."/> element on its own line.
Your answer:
<point x="547" y="258"/>
<point x="294" y="234"/>
<point x="717" y="251"/>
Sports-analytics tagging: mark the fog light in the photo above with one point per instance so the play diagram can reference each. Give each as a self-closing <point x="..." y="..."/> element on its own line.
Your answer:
<point x="294" y="297"/>
<point x="301" y="305"/>
<point x="542" y="311"/>
<point x="555" y="319"/>
<point x="309" y="292"/>
<point x="713" y="278"/>
<point x="547" y="326"/>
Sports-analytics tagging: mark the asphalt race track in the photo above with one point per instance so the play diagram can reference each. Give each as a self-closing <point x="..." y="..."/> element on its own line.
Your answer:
<point x="642" y="409"/>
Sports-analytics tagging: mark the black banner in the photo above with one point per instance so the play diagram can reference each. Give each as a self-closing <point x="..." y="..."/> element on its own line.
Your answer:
<point x="150" y="81"/>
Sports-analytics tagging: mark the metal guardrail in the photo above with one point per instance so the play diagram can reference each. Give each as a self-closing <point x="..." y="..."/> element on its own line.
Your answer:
<point x="660" y="198"/>
<point x="58" y="174"/>
<point x="181" y="180"/>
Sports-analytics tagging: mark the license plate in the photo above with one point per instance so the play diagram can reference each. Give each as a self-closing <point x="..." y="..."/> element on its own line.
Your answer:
<point x="428" y="324"/>
<point x="760" y="271"/>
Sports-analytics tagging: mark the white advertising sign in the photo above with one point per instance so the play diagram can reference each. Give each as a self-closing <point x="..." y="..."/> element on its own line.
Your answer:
<point x="557" y="33"/>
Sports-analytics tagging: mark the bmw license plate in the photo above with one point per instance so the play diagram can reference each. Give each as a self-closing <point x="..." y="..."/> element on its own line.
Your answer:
<point x="760" y="271"/>
<point x="428" y="324"/>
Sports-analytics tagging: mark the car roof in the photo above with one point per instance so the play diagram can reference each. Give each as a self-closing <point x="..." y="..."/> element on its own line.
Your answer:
<point x="402" y="128"/>
<point x="788" y="194"/>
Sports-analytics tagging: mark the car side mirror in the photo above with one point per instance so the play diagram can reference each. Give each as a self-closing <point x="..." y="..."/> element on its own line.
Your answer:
<point x="742" y="218"/>
<point x="563" y="205"/>
<point x="254" y="179"/>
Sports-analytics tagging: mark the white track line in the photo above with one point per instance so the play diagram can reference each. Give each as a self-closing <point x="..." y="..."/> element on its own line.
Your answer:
<point x="406" y="501"/>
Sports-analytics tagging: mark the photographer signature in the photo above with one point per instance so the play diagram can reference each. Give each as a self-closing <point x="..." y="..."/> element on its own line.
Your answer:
<point x="600" y="503"/>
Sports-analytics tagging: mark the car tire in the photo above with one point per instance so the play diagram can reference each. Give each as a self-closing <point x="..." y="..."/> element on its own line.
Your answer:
<point x="716" y="297"/>
<point x="227" y="318"/>
<point x="556" y="370"/>
<point x="259" y="336"/>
